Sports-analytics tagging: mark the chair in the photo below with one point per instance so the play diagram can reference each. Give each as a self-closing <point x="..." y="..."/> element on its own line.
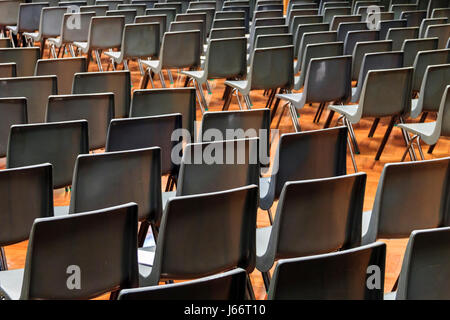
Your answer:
<point x="146" y="132"/>
<point x="9" y="11"/>
<point x="428" y="22"/>
<point x="263" y="14"/>
<point x="355" y="37"/>
<point x="276" y="62"/>
<point x="104" y="33"/>
<point x="198" y="25"/>
<point x="299" y="20"/>
<point x="155" y="102"/>
<point x="313" y="217"/>
<point x="434" y="4"/>
<point x="362" y="48"/>
<point x="34" y="183"/>
<point x="424" y="274"/>
<point x="337" y="19"/>
<point x="264" y="30"/>
<point x="35" y="89"/>
<point x="224" y="33"/>
<point x="160" y="19"/>
<point x="236" y="240"/>
<point x="441" y="13"/>
<point x="192" y="17"/>
<point x="225" y="58"/>
<point x="246" y="9"/>
<point x="140" y="8"/>
<point x="170" y="14"/>
<point x="24" y="58"/>
<point x="184" y="4"/>
<point x="398" y="9"/>
<point x="329" y="13"/>
<point x="346" y="27"/>
<point x="13" y="111"/>
<point x="170" y="5"/>
<point x="311" y="34"/>
<point x="399" y="35"/>
<point x="8" y="70"/>
<point x="300" y="13"/>
<point x="413" y="18"/>
<point x="49" y="26"/>
<point x="396" y="85"/>
<point x="117" y="82"/>
<point x="64" y="69"/>
<point x="384" y="26"/>
<point x="69" y="34"/>
<point x="5" y="42"/>
<point x="411" y="47"/>
<point x="230" y="285"/>
<point x="397" y="216"/>
<point x="58" y="143"/>
<point x="209" y="16"/>
<point x="99" y="10"/>
<point x="129" y="15"/>
<point x="229" y="15"/>
<point x="202" y="5"/>
<point x="423" y="60"/>
<point x="96" y="108"/>
<point x="178" y="50"/>
<point x="48" y="250"/>
<point x="149" y="3"/>
<point x="139" y="41"/>
<point x="228" y="23"/>
<point x="112" y="4"/>
<point x="441" y="31"/>
<point x="347" y="275"/>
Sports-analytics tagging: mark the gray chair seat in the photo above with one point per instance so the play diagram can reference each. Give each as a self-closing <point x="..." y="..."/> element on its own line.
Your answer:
<point x="166" y="196"/>
<point x="365" y="222"/>
<point x="13" y="29"/>
<point x="113" y="54"/>
<point x="240" y="84"/>
<point x="293" y="98"/>
<point x="194" y="74"/>
<point x="262" y="240"/>
<point x="424" y="129"/>
<point x="349" y="111"/>
<point x="390" y="295"/>
<point x="11" y="284"/>
<point x="55" y="41"/>
<point x="152" y="64"/>
<point x="82" y="45"/>
<point x="60" y="211"/>
<point x="36" y="36"/>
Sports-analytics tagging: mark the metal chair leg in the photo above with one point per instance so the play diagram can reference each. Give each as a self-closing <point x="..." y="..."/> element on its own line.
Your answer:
<point x="412" y="152"/>
<point x="420" y="148"/>
<point x="248" y="102"/>
<point x="71" y="51"/>
<point x="374" y="127"/>
<point x="408" y="147"/>
<point x="53" y="51"/>
<point x="386" y="137"/>
<point x="161" y="78"/>
<point x="197" y="92"/>
<point x="294" y="117"/>
<point x="236" y="93"/>
<point x="3" y="262"/>
<point x="329" y="119"/>
<point x="352" y="136"/>
<point x="250" y="291"/>
<point x="169" y="73"/>
<point x="99" y="61"/>
<point x="349" y="142"/>
<point x="431" y="148"/>
<point x="423" y="117"/>
<point x="283" y="111"/>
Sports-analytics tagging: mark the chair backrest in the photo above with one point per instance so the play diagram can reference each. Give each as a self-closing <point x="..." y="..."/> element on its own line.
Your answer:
<point x="149" y="3"/>
<point x="64" y="69"/>
<point x="51" y="20"/>
<point x="355" y="37"/>
<point x="140" y="8"/>
<point x="307" y="150"/>
<point x="224" y="33"/>
<point x="423" y="60"/>
<point x="411" y="47"/>
<point x="9" y="11"/>
<point x="246" y="9"/>
<point x="58" y="143"/>
<point x="24" y="58"/>
<point x="13" y="111"/>
<point x="301" y="13"/>
<point x="202" y="5"/>
<point x="192" y="213"/>
<point x="96" y="108"/>
<point x="146" y="132"/>
<point x="346" y="27"/>
<point x="191" y="26"/>
<point x="99" y="10"/>
<point x="266" y="14"/>
<point x="226" y="58"/>
<point x="5" y="42"/>
<point x="50" y="257"/>
<point x="263" y="22"/>
<point x="171" y="5"/>
<point x="273" y="40"/>
<point x="141" y="40"/>
<point x="428" y="22"/>
<point x="272" y="68"/>
<point x="69" y="33"/>
<point x="112" y="4"/>
<point x="413" y="18"/>
<point x="30" y="16"/>
<point x="160" y="19"/>
<point x="433" y="4"/>
<point x="8" y="70"/>
<point x="229" y="15"/>
<point x="444" y="117"/>
<point x="180" y="49"/>
<point x="118" y="82"/>
<point x="329" y="13"/>
<point x="398" y="9"/>
<point x="155" y="102"/>
<point x="17" y="216"/>
<point x="399" y="35"/>
<point x="441" y="31"/>
<point x="129" y="14"/>
<point x="399" y="208"/>
<point x="107" y="179"/>
<point x="106" y="32"/>
<point x="334" y="23"/>
<point x="362" y="48"/>
<point x="170" y="14"/>
<point x="228" y="23"/>
<point x="384" y="26"/>
<point x="218" y="165"/>
<point x="191" y="17"/>
<point x="35" y="89"/>
<point x="441" y="13"/>
<point x="230" y="285"/>
<point x="280" y="29"/>
<point x="298" y="20"/>
<point x="433" y="86"/>
<point x="347" y="273"/>
<point x="309" y="34"/>
<point x="335" y="87"/>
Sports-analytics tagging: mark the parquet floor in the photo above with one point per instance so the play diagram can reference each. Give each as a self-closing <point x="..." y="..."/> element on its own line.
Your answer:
<point x="365" y="161"/>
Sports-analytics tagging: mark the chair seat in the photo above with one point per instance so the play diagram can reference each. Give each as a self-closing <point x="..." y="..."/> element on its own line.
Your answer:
<point x="349" y="111"/>
<point x="424" y="130"/>
<point x="11" y="284"/>
<point x="294" y="98"/>
<point x="35" y="36"/>
<point x="57" y="42"/>
<point x="265" y="200"/>
<point x="166" y="196"/>
<point x="240" y="85"/>
<point x="152" y="64"/>
<point x="60" y="211"/>
<point x="390" y="295"/>
<point x="144" y="269"/>
<point x="13" y="29"/>
<point x="197" y="75"/>
<point x="365" y="222"/>
<point x="262" y="240"/>
<point x="114" y="54"/>
<point x="82" y="45"/>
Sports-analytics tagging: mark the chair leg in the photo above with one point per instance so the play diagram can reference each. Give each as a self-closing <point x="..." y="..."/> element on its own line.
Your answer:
<point x="269" y="214"/>
<point x="208" y="87"/>
<point x="412" y="152"/>
<point x="431" y="148"/>
<point x="53" y="51"/>
<point x="266" y="279"/>
<point x="250" y="292"/>
<point x="352" y="136"/>
<point x="408" y="147"/>
<point x="374" y="127"/>
<point x="350" y="148"/>
<point x="114" y="295"/>
<point x="236" y="93"/>
<point x="320" y="112"/>
<point x="283" y="111"/>
<point x="226" y="92"/>
<point x="386" y="137"/>
<point x="197" y="93"/>
<point x="329" y="119"/>
<point x="226" y="104"/>
<point x="3" y="262"/>
<point x="202" y="95"/>
<point x="420" y="148"/>
<point x="423" y="117"/>
<point x="169" y="73"/>
<point x="248" y="102"/>
<point x="71" y="51"/>
<point x="99" y="60"/>
<point x="294" y="117"/>
<point x="161" y="78"/>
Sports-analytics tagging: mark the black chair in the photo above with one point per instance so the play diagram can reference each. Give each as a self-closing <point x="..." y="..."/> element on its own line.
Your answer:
<point x="13" y="111"/>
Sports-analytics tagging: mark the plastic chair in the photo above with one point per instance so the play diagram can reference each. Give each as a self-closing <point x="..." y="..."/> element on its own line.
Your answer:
<point x="433" y="4"/>
<point x="34" y="183"/>
<point x="280" y="29"/>
<point x="209" y="16"/>
<point x="24" y="58"/>
<point x="337" y="19"/>
<point x="346" y="27"/>
<point x="398" y="9"/>
<point x="329" y="13"/>
<point x="129" y="15"/>
<point x="13" y="111"/>
<point x="384" y="26"/>
<point x="160" y="19"/>
<point x="413" y="18"/>
<point x="355" y="37"/>
<point x="170" y="5"/>
<point x="228" y="23"/>
<point x="399" y="35"/>
<point x="441" y="13"/>
<point x="112" y="4"/>
<point x="149" y="3"/>
<point x="9" y="11"/>
<point x="310" y="34"/>
<point x="140" y="8"/>
<point x="224" y="33"/>
<point x="423" y="60"/>
<point x="428" y="22"/>
<point x="99" y="10"/>
<point x="441" y="31"/>
<point x="411" y="47"/>
<point x="229" y="15"/>
<point x="96" y="108"/>
<point x="362" y="48"/>
<point x="8" y="70"/>
<point x="170" y="14"/>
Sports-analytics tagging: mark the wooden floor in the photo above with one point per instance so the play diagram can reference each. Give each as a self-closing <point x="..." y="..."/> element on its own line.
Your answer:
<point x="365" y="161"/>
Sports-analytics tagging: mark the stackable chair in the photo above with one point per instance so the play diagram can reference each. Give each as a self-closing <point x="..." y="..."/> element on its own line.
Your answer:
<point x="9" y="11"/>
<point x="398" y="9"/>
<point x="436" y="4"/>
<point x="178" y="50"/>
<point x="346" y="27"/>
<point x="329" y="13"/>
<point x="13" y="111"/>
<point x="8" y="70"/>
<point x="224" y="33"/>
<point x="17" y="217"/>
<point x="170" y="5"/>
<point x="304" y="209"/>
<point x="96" y="108"/>
<point x="425" y="268"/>
<point x="280" y="29"/>
<point x="99" y="10"/>
<point x="112" y="4"/>
<point x="129" y="15"/>
<point x="363" y="48"/>
<point x="58" y="143"/>
<point x="104" y="33"/>
<point x="423" y="60"/>
<point x="149" y="3"/>
<point x="140" y="8"/>
<point x="441" y="13"/>
<point x="35" y="89"/>
<point x="384" y="26"/>
<point x="354" y="37"/>
<point x="347" y="275"/>
<point x="170" y="14"/>
<point x="334" y="23"/>
<point x="117" y="82"/>
<point x="198" y="25"/>
<point x="413" y="18"/>
<point x="209" y="16"/>
<point x="441" y="31"/>
<point x="64" y="69"/>
<point x="24" y="58"/>
<point x="411" y="47"/>
<point x="429" y="22"/>
<point x="160" y="19"/>
<point x="310" y="34"/>
<point x="399" y="35"/>
<point x="50" y="262"/>
<point x="225" y="58"/>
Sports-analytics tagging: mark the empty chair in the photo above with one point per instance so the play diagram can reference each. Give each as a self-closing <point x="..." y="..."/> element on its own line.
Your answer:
<point x="423" y="60"/>
<point x="224" y="33"/>
<point x="354" y="37"/>
<point x="178" y="50"/>
<point x="428" y="22"/>
<point x="399" y="35"/>
<point x="145" y="132"/>
<point x="64" y="69"/>
<point x="262" y="22"/>
<point x="171" y="5"/>
<point x="8" y="70"/>
<point x="35" y="89"/>
<point x="236" y="240"/>
<point x="397" y="216"/>
<point x="362" y="48"/>
<point x="346" y="27"/>
<point x="191" y="26"/>
<point x="329" y="13"/>
<point x="411" y="47"/>
<point x="139" y="41"/>
<point x="280" y="29"/>
<point x="129" y="15"/>
<point x="160" y="19"/>
<point x="263" y="14"/>
<point x="225" y="59"/>
<point x="13" y="111"/>
<point x="51" y="237"/>
<point x="99" y="10"/>
<point x="70" y="3"/>
<point x="273" y="40"/>
<point x="202" y="5"/>
<point x="347" y="271"/>
<point x="304" y="208"/>
<point x="384" y="26"/>
<point x="184" y="4"/>
<point x="228" y="23"/>
<point x="196" y="17"/>
<point x="24" y="58"/>
<point x="413" y="18"/>
<point x="104" y="33"/>
<point x="96" y="108"/>
<point x="149" y="3"/>
<point x="117" y="82"/>
<point x="225" y="15"/>
<point x="301" y="13"/>
<point x="440" y="13"/>
<point x="435" y="4"/>
<point x="34" y="183"/>
<point x="334" y="23"/>
<point x="310" y="34"/>
<point x="58" y="143"/>
<point x="209" y="16"/>
<point x="398" y="9"/>
<point x="246" y="9"/>
<point x="140" y="8"/>
<point x="170" y="14"/>
<point x="441" y="31"/>
<point x="424" y="274"/>
<point x="357" y="5"/>
<point x="298" y="20"/>
<point x="5" y="42"/>
<point x="155" y="102"/>
<point x="230" y="285"/>
<point x="395" y="101"/>
<point x="9" y="11"/>
<point x="112" y="4"/>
